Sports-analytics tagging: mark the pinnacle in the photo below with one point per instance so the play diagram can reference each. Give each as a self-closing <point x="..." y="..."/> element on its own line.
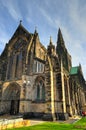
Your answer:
<point x="35" y="29"/>
<point x="51" y="40"/>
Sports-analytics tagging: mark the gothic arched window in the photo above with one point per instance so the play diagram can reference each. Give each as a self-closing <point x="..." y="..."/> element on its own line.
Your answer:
<point x="43" y="92"/>
<point x="40" y="91"/>
<point x="18" y="66"/>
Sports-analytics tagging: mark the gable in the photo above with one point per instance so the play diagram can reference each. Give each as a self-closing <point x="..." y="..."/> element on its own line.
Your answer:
<point x="20" y="33"/>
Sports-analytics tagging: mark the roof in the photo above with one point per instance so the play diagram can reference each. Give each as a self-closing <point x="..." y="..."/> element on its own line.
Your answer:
<point x="74" y="70"/>
<point x="20" y="30"/>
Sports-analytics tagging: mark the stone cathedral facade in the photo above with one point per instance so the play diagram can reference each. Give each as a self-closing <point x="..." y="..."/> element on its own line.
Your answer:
<point x="39" y="82"/>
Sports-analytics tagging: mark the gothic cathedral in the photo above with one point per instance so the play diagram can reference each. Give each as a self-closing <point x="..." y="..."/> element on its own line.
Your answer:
<point x="39" y="82"/>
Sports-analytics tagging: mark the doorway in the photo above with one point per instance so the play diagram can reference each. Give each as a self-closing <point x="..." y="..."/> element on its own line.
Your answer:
<point x="14" y="109"/>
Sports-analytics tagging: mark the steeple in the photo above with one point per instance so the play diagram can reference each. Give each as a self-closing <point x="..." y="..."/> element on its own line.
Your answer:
<point x="60" y="47"/>
<point x="60" y="39"/>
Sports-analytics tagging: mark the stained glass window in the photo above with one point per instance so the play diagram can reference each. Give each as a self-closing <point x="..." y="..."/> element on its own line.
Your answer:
<point x="40" y="91"/>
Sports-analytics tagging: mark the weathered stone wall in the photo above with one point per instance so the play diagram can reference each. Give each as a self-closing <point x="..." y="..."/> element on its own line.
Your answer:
<point x="38" y="107"/>
<point x="7" y="95"/>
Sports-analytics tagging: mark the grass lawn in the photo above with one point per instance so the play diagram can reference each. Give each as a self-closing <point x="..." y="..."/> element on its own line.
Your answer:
<point x="80" y="125"/>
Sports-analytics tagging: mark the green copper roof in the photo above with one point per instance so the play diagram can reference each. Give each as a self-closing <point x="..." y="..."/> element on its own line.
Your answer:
<point x="74" y="70"/>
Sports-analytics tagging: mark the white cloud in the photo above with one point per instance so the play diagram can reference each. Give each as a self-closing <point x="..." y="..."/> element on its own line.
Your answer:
<point x="46" y="16"/>
<point x="13" y="8"/>
<point x="70" y="17"/>
<point x="3" y="37"/>
<point x="74" y="33"/>
<point x="78" y="16"/>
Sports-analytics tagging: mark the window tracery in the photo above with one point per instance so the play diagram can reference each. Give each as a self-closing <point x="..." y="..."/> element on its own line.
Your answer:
<point x="40" y="90"/>
<point x="38" y="67"/>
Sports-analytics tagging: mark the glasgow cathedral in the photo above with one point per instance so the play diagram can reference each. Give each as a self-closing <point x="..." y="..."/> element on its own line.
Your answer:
<point x="40" y="82"/>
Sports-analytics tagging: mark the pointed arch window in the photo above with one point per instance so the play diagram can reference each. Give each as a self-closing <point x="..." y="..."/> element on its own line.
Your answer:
<point x="10" y="65"/>
<point x="43" y="92"/>
<point x="40" y="91"/>
<point x="18" y="65"/>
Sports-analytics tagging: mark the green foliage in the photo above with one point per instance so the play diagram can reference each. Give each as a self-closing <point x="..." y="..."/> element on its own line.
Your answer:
<point x="80" y="125"/>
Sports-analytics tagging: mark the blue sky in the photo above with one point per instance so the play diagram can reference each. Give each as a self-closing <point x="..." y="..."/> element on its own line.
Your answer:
<point x="48" y="16"/>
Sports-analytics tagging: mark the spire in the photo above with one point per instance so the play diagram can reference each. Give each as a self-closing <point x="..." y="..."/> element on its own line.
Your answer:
<point x="51" y="43"/>
<point x="79" y="64"/>
<point x="80" y="68"/>
<point x="35" y="29"/>
<point x="60" y="37"/>
<point x="51" y="47"/>
<point x="35" y="32"/>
